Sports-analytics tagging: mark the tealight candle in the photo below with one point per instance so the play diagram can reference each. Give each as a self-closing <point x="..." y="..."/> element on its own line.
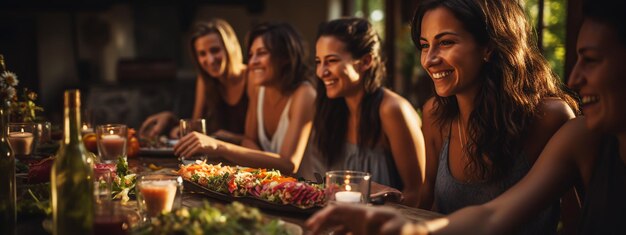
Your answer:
<point x="21" y="142"/>
<point x="348" y="196"/>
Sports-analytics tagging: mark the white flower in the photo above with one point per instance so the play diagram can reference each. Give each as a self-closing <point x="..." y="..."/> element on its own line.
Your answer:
<point x="10" y="78"/>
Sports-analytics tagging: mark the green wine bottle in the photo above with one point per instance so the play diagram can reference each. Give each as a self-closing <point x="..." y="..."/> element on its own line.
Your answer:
<point x="7" y="167"/>
<point x="71" y="176"/>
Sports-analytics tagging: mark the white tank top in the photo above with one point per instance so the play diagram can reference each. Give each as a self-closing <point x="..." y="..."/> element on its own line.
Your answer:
<point x="276" y="142"/>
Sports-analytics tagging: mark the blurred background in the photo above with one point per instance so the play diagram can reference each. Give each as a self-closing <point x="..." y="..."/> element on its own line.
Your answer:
<point x="131" y="58"/>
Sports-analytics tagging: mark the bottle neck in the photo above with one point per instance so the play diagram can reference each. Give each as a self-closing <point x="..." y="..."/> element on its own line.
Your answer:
<point x="71" y="131"/>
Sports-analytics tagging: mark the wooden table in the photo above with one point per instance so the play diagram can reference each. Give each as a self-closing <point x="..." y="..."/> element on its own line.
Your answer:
<point x="190" y="199"/>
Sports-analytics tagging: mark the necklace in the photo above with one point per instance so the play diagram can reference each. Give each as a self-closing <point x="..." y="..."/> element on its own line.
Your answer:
<point x="461" y="136"/>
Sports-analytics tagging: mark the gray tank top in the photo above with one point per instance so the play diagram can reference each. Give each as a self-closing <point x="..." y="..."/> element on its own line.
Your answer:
<point x="452" y="194"/>
<point x="378" y="162"/>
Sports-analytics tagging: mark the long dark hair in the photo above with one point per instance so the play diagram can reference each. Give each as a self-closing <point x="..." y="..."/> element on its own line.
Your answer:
<point x="331" y="118"/>
<point x="287" y="52"/>
<point x="514" y="81"/>
<point x="232" y="48"/>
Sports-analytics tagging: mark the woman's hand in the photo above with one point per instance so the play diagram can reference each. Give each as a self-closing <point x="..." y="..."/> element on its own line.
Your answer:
<point x="357" y="219"/>
<point x="196" y="143"/>
<point x="156" y="123"/>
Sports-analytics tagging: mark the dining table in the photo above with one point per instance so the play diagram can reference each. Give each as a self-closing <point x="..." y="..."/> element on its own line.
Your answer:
<point x="168" y="163"/>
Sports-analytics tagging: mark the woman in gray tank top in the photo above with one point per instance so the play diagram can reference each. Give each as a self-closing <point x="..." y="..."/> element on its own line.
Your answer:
<point x="360" y="125"/>
<point x="497" y="103"/>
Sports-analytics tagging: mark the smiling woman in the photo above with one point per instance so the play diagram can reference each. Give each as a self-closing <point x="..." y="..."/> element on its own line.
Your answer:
<point x="497" y="104"/>
<point x="587" y="151"/>
<point x="220" y="86"/>
<point x="279" y="117"/>
<point x="359" y="125"/>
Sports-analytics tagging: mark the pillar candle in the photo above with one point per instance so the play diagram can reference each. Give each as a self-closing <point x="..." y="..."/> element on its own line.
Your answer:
<point x="111" y="147"/>
<point x="21" y="142"/>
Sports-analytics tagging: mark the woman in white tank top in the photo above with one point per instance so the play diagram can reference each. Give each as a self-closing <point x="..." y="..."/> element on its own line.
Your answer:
<point x="281" y="109"/>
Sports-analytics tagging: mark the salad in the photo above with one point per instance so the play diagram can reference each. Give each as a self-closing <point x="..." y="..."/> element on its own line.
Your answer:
<point x="268" y="185"/>
<point x="234" y="218"/>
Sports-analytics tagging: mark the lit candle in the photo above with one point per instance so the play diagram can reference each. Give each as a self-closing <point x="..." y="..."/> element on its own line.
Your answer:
<point x="348" y="196"/>
<point x="158" y="196"/>
<point x="21" y="142"/>
<point x="86" y="129"/>
<point x="111" y="147"/>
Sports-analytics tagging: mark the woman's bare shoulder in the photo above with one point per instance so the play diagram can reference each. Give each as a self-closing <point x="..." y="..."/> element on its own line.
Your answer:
<point x="557" y="108"/>
<point x="393" y="103"/>
<point x="394" y="107"/>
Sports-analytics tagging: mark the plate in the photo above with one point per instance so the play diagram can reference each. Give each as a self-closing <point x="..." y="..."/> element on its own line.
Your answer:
<point x="260" y="203"/>
<point x="156" y="151"/>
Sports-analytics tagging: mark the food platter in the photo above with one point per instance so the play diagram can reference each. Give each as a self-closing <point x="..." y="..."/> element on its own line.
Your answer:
<point x="263" y="188"/>
<point x="260" y="203"/>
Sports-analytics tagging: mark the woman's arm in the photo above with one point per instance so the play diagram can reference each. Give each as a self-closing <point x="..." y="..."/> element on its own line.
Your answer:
<point x="292" y="150"/>
<point x="401" y="126"/>
<point x="432" y="136"/>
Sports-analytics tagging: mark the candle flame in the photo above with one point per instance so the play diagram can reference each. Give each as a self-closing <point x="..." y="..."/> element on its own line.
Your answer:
<point x="21" y="129"/>
<point x="348" y="188"/>
<point x="111" y="132"/>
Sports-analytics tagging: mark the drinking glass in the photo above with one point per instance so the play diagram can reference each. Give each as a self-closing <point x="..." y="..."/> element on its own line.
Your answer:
<point x="111" y="218"/>
<point x="348" y="187"/>
<point x="102" y="185"/>
<point x="158" y="193"/>
<point x="43" y="137"/>
<point x="187" y="126"/>
<point x="21" y="139"/>
<point x="111" y="140"/>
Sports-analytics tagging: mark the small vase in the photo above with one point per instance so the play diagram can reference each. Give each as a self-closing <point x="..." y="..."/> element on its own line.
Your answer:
<point x="8" y="213"/>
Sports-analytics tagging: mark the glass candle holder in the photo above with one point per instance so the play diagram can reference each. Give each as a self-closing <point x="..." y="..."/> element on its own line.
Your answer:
<point x="158" y="193"/>
<point x="111" y="141"/>
<point x="348" y="187"/>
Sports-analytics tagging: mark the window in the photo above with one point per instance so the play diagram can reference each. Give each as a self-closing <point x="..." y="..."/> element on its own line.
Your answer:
<point x="551" y="30"/>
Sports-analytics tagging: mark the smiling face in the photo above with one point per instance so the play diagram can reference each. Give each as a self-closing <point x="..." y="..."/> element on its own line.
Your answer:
<point x="336" y="68"/>
<point x="211" y="54"/>
<point x="449" y="53"/>
<point x="599" y="77"/>
<point x="260" y="65"/>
